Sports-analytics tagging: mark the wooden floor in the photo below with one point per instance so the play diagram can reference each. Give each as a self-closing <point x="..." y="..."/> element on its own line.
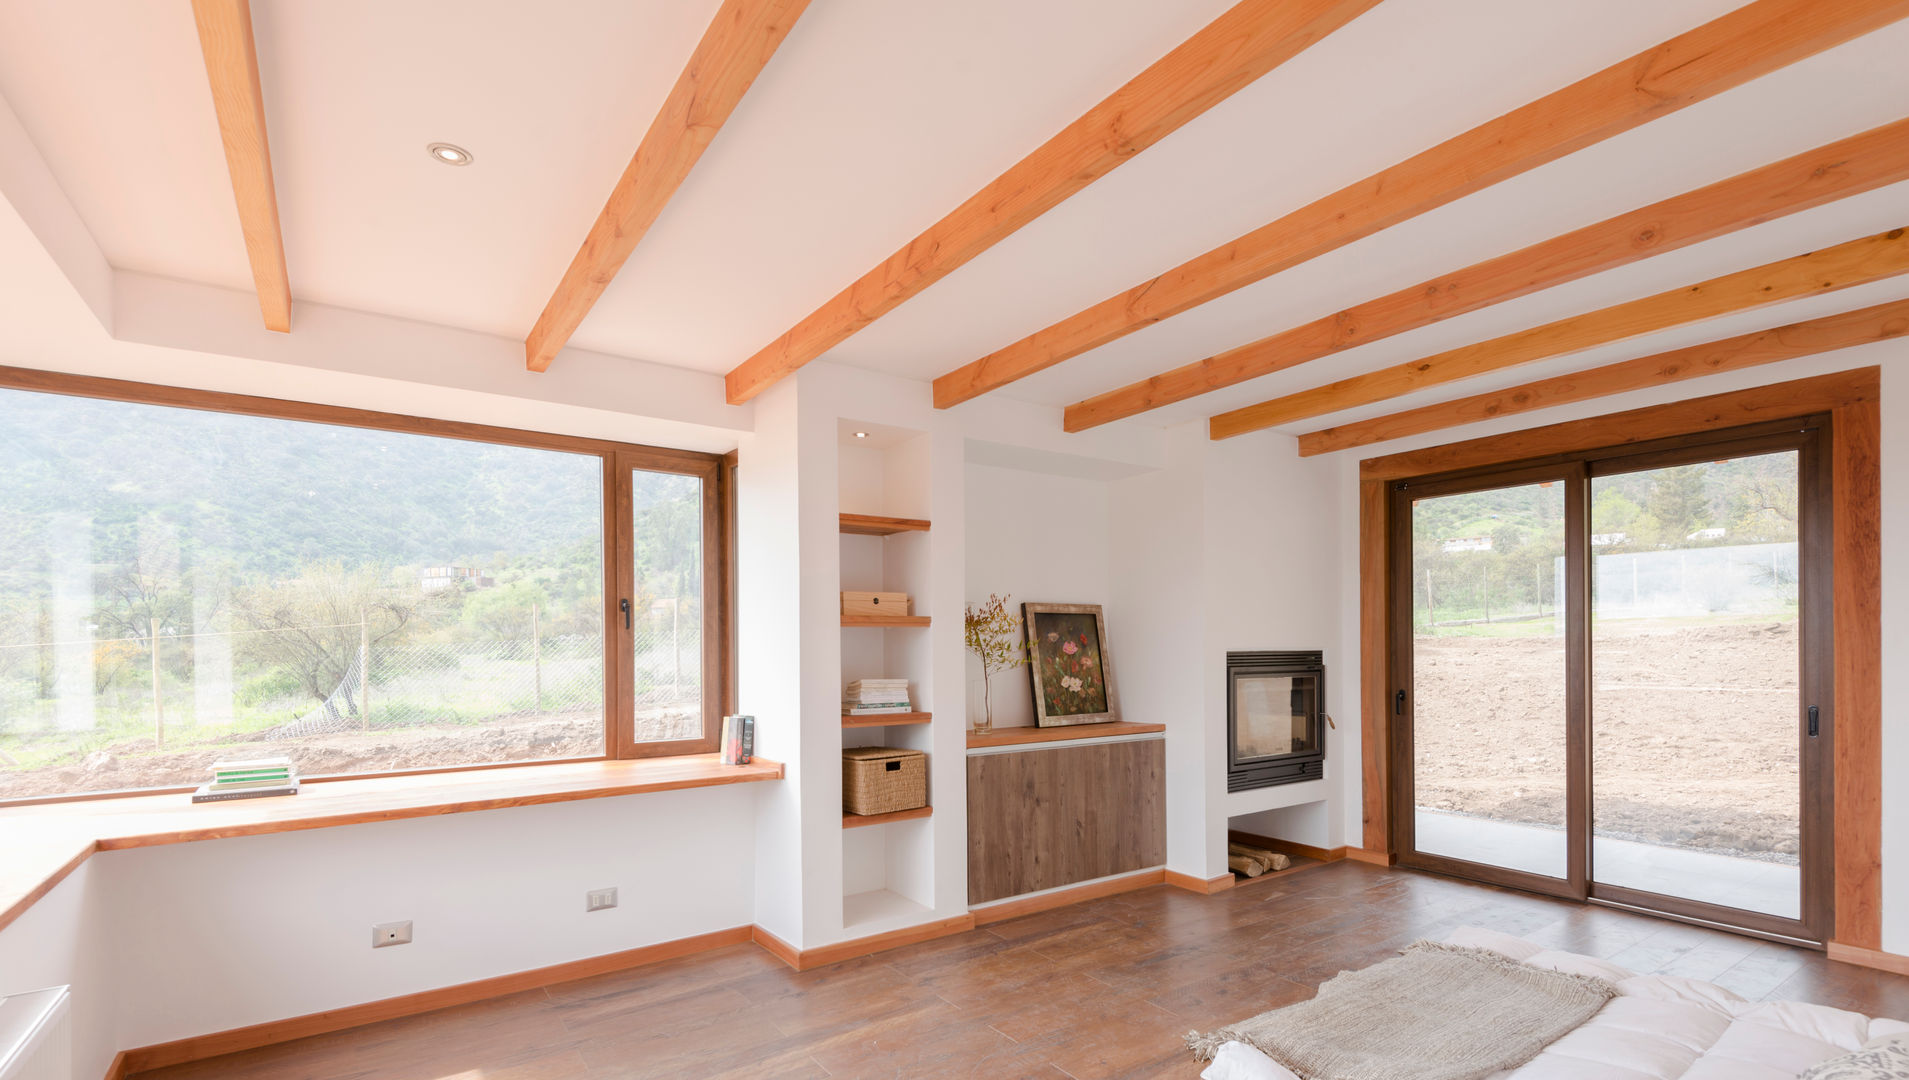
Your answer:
<point x="1100" y="989"/>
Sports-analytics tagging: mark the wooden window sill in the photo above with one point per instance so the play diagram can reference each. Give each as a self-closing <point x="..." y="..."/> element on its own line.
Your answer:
<point x="44" y="843"/>
<point x="1025" y="735"/>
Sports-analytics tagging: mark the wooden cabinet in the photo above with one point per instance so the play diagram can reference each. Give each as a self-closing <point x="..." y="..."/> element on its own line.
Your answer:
<point x="1051" y="816"/>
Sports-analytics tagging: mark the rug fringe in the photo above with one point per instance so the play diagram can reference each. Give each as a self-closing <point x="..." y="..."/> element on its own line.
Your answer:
<point x="1204" y="1047"/>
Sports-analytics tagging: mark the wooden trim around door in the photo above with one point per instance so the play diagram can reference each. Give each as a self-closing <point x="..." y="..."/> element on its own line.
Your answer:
<point x="1856" y="605"/>
<point x="1852" y="398"/>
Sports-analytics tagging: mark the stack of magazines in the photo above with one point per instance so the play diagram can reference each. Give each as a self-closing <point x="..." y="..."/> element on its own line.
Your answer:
<point x="873" y="697"/>
<point x="249" y="780"/>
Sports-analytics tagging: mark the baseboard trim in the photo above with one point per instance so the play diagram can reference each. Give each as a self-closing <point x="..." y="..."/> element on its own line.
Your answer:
<point x="823" y="955"/>
<point x="1015" y="907"/>
<point x="1287" y="847"/>
<point x="199" y="1047"/>
<point x="1203" y="886"/>
<point x="1894" y="963"/>
<point x="776" y="947"/>
<point x="893" y="939"/>
<point x="1376" y="858"/>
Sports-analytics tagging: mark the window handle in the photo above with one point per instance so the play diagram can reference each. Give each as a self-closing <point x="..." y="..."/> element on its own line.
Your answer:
<point x="625" y="605"/>
<point x="1813" y="721"/>
<point x="1398" y="704"/>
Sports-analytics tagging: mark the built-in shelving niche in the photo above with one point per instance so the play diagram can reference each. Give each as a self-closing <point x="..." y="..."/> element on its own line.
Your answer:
<point x="887" y="541"/>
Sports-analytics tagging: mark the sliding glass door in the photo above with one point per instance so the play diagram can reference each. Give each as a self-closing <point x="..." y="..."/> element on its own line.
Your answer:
<point x="1609" y="680"/>
<point x="1488" y="666"/>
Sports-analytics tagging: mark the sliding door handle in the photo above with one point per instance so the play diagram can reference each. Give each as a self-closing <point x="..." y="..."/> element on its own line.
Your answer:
<point x="1813" y="721"/>
<point x="625" y="605"/>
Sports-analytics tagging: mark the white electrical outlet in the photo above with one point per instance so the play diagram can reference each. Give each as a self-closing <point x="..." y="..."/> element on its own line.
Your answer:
<point x="391" y="933"/>
<point x="599" y="899"/>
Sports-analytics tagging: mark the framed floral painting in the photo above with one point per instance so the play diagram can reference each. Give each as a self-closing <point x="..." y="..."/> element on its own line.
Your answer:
<point x="1067" y="660"/>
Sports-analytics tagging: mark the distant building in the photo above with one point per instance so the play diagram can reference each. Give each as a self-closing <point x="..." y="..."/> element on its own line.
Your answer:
<point x="1467" y="543"/>
<point x="1611" y="539"/>
<point x="439" y="578"/>
<point x="1706" y="534"/>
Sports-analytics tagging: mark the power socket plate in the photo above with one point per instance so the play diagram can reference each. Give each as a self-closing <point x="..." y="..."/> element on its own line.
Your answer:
<point x="599" y="899"/>
<point x="391" y="933"/>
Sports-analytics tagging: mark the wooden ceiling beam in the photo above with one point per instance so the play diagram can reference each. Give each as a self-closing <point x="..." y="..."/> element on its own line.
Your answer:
<point x="1858" y="262"/>
<point x="1726" y="52"/>
<point x="232" y="68"/>
<point x="1876" y="158"/>
<point x="1249" y="40"/>
<point x="733" y="51"/>
<point x="1876" y="323"/>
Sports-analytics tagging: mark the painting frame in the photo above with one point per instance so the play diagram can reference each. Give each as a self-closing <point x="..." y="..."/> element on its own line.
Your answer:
<point x="1043" y="659"/>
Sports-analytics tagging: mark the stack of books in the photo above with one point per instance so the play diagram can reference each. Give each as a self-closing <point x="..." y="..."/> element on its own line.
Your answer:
<point x="249" y="780"/>
<point x="874" y="697"/>
<point x="739" y="739"/>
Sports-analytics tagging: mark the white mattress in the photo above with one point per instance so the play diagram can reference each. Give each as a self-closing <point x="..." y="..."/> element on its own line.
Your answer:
<point x="1660" y="1027"/>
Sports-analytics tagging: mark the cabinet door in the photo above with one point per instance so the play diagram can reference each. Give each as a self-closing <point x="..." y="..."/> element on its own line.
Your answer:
<point x="1039" y="819"/>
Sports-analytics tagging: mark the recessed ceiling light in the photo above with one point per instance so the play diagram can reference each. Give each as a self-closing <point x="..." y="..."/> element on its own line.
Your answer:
<point x="861" y="434"/>
<point x="448" y="154"/>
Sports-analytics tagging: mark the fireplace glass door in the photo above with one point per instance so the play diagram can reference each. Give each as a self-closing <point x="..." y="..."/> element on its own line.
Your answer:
<point x="1278" y="715"/>
<point x="1276" y="704"/>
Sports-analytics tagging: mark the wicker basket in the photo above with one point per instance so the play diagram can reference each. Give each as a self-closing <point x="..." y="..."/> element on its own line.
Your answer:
<point x="882" y="780"/>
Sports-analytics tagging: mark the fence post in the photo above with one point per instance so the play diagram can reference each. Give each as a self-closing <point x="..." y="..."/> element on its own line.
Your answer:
<point x="537" y="652"/>
<point x="158" y="706"/>
<point x="364" y="669"/>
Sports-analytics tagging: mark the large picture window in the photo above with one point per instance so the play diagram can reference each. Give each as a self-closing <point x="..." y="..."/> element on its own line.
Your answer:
<point x="361" y="593"/>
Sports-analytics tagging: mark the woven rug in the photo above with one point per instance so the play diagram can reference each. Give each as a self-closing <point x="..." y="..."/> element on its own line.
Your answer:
<point x="1434" y="1012"/>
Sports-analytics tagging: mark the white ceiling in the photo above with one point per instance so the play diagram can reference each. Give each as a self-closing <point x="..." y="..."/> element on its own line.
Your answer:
<point x="873" y="120"/>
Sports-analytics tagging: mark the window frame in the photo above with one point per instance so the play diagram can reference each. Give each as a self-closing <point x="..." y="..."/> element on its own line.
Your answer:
<point x="617" y="460"/>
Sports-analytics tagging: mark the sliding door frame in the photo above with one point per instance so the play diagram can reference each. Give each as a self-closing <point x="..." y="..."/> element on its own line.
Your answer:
<point x="1850" y="398"/>
<point x="1403" y="493"/>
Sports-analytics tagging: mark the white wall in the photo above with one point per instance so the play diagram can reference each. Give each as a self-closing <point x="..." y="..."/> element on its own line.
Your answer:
<point x="265" y="927"/>
<point x="1219" y="552"/>
<point x="1037" y="537"/>
<point x="65" y="939"/>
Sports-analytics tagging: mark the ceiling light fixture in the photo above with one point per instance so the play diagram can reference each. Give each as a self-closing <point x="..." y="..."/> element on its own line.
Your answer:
<point x="448" y="154"/>
<point x="861" y="434"/>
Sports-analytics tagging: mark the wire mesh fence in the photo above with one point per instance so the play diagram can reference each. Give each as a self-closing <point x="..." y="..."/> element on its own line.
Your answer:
<point x="174" y="686"/>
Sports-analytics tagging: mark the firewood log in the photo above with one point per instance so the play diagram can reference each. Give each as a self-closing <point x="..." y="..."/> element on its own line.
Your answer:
<point x="1267" y="860"/>
<point x="1244" y="865"/>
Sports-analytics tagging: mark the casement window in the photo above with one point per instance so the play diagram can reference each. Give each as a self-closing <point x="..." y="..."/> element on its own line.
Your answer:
<point x="191" y="577"/>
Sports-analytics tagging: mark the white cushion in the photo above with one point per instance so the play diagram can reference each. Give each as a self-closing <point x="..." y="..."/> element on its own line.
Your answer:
<point x="1660" y="1027"/>
<point x="1238" y="1061"/>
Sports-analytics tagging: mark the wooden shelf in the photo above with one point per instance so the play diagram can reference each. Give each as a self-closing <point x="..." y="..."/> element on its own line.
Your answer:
<point x="856" y="821"/>
<point x="876" y="525"/>
<point x="1024" y="735"/>
<point x="887" y="719"/>
<point x="884" y="620"/>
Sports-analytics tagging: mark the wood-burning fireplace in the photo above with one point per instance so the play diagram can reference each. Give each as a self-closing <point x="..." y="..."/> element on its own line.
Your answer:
<point x="1275" y="718"/>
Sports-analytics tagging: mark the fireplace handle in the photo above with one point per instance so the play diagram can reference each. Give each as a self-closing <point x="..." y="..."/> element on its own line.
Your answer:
<point x="1329" y="721"/>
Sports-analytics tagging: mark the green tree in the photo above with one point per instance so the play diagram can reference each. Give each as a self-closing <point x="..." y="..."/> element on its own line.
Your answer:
<point x="1679" y="502"/>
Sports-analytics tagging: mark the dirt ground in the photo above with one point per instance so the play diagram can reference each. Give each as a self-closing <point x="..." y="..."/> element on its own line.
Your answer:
<point x="1694" y="732"/>
<point x="134" y="763"/>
